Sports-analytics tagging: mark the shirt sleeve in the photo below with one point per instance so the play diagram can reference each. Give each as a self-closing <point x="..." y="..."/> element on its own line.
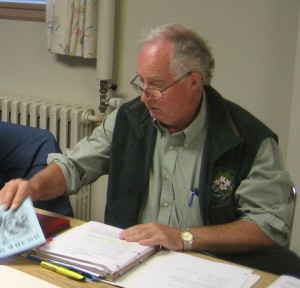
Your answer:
<point x="90" y="157"/>
<point x="264" y="197"/>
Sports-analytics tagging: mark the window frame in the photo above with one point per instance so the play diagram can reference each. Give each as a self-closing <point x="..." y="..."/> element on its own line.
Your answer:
<point x="23" y="11"/>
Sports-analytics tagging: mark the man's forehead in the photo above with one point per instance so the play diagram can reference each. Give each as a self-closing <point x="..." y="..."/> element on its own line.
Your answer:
<point x="157" y="49"/>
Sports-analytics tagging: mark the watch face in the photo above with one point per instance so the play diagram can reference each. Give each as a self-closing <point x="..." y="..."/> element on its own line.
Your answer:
<point x="186" y="236"/>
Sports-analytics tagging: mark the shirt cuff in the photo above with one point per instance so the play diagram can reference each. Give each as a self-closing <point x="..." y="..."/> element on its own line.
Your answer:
<point x="273" y="227"/>
<point x="68" y="170"/>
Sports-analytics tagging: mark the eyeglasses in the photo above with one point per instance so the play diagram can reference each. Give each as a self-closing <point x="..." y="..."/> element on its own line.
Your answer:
<point x="154" y="92"/>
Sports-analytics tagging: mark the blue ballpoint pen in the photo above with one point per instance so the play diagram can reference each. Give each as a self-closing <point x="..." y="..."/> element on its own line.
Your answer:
<point x="87" y="275"/>
<point x="194" y="192"/>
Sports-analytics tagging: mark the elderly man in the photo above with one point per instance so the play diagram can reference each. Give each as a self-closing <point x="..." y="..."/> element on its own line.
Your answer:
<point x="188" y="170"/>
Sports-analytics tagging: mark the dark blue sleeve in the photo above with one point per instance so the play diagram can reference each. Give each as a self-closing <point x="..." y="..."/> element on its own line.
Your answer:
<point x="23" y="152"/>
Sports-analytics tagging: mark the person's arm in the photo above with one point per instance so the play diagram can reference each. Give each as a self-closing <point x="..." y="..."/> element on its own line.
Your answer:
<point x="47" y="184"/>
<point x="238" y="236"/>
<point x="89" y="159"/>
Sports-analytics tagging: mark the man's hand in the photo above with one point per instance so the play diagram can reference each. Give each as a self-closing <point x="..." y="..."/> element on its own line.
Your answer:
<point x="14" y="192"/>
<point x="153" y="234"/>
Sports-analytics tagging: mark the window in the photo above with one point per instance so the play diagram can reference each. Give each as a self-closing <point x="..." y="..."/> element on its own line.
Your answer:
<point x="23" y="10"/>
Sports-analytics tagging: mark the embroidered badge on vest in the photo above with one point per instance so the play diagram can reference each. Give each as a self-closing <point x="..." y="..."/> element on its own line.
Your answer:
<point x="222" y="185"/>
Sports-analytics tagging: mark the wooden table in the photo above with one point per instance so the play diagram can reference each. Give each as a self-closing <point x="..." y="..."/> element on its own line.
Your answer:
<point x="21" y="263"/>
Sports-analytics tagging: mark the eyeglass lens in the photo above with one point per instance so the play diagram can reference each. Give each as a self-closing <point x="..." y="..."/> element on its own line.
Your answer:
<point x="152" y="92"/>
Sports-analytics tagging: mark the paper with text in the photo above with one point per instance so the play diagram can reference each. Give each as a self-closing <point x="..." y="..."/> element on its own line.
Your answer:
<point x="19" y="229"/>
<point x="175" y="269"/>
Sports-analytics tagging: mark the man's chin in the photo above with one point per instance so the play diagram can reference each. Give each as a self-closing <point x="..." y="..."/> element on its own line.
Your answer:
<point x="154" y="113"/>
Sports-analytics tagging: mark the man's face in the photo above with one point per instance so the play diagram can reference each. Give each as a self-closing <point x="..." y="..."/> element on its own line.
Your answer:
<point x="179" y="101"/>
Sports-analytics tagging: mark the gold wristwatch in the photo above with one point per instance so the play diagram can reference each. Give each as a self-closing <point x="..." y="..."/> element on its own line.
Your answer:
<point x="187" y="239"/>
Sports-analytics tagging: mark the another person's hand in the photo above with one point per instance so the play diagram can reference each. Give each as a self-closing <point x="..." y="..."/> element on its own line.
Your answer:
<point x="153" y="234"/>
<point x="14" y="192"/>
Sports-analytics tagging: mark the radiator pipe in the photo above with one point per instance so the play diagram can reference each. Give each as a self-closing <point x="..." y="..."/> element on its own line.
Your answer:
<point x="87" y="118"/>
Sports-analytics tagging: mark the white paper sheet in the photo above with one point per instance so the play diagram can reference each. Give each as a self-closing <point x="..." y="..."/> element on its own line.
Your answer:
<point x="174" y="269"/>
<point x="14" y="278"/>
<point x="285" y="281"/>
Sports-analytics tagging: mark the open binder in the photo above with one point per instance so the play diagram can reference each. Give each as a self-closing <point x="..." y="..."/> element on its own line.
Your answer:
<point x="95" y="248"/>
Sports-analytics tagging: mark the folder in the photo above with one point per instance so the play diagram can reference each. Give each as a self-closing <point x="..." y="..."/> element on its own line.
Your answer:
<point x="51" y="225"/>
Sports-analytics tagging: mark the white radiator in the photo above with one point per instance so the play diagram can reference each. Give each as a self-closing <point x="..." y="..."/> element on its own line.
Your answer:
<point x="68" y="123"/>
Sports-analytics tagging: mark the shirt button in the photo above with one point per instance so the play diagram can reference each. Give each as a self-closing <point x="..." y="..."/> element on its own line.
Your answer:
<point x="166" y="204"/>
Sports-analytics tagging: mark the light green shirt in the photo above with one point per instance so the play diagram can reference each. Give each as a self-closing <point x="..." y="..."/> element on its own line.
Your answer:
<point x="175" y="173"/>
<point x="261" y="198"/>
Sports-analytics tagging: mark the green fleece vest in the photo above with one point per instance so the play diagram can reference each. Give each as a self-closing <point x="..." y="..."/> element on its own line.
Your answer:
<point x="232" y="142"/>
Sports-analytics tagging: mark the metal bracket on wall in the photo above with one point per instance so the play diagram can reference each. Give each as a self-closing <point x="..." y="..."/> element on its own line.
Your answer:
<point x="104" y="87"/>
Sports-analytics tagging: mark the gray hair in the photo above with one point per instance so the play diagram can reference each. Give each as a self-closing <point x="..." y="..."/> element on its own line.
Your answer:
<point x="190" y="53"/>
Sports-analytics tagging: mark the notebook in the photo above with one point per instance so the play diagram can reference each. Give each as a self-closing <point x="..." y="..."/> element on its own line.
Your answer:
<point x="51" y="225"/>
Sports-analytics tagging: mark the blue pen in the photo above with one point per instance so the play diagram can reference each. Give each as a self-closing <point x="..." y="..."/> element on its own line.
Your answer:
<point x="33" y="258"/>
<point x="86" y="274"/>
<point x="194" y="192"/>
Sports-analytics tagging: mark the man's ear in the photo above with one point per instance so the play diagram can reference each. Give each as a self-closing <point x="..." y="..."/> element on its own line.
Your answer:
<point x="196" y="80"/>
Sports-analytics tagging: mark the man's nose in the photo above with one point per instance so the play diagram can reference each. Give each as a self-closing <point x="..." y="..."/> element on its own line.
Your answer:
<point x="145" y="97"/>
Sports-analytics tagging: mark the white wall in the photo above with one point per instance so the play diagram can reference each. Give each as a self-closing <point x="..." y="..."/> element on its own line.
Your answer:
<point x="254" y="43"/>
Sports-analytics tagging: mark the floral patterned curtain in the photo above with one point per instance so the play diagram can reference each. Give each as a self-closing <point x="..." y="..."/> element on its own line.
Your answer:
<point x="72" y="27"/>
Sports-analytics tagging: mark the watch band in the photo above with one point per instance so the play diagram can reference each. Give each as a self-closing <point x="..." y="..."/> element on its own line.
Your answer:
<point x="187" y="239"/>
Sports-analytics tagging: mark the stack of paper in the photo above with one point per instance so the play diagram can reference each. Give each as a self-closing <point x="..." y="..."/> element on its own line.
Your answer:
<point x="95" y="248"/>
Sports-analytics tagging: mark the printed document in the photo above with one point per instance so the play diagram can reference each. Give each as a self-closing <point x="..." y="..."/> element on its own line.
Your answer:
<point x="175" y="269"/>
<point x="19" y="229"/>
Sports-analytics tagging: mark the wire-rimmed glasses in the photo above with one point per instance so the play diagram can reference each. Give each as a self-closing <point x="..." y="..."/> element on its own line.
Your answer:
<point x="154" y="93"/>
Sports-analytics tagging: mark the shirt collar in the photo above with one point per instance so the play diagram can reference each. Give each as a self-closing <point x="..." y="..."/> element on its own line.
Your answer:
<point x="198" y="124"/>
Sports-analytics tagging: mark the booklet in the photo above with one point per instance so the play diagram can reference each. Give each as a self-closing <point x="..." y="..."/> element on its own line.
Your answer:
<point x="95" y="248"/>
<point x="19" y="229"/>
